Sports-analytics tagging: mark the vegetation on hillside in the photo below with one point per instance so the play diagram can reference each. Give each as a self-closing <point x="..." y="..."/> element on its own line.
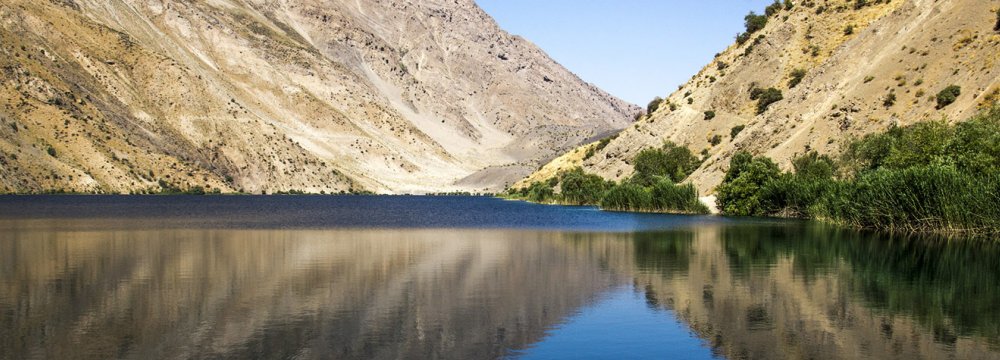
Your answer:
<point x="997" y="26"/>
<point x="765" y="97"/>
<point x="753" y="23"/>
<point x="931" y="176"/>
<point x="948" y="96"/>
<point x="797" y="76"/>
<point x="654" y="105"/>
<point x="652" y="188"/>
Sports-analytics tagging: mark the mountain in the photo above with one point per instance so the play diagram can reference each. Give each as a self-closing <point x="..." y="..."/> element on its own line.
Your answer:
<point x="842" y="69"/>
<point x="114" y="96"/>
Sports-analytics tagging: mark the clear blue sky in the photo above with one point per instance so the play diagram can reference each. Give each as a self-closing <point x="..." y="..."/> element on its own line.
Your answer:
<point x="634" y="49"/>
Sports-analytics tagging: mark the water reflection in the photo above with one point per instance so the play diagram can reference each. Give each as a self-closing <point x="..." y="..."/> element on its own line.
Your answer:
<point x="746" y="291"/>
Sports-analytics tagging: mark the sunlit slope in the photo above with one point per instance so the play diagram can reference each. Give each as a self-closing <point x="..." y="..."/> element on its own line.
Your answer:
<point x="861" y="67"/>
<point x="312" y="95"/>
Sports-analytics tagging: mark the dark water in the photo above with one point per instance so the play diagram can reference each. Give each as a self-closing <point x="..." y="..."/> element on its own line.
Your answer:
<point x="467" y="278"/>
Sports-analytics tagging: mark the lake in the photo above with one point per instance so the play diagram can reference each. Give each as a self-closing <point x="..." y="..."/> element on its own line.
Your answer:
<point x="370" y="277"/>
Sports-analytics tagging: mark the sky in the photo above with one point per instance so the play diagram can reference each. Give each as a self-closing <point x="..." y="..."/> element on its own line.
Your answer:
<point x="633" y="49"/>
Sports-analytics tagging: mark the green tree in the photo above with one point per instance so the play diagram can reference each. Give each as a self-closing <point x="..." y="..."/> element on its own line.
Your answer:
<point x="976" y="145"/>
<point x="814" y="166"/>
<point x="672" y="162"/>
<point x="740" y="193"/>
<point x="753" y="23"/>
<point x="580" y="188"/>
<point x="773" y="9"/>
<point x="540" y="192"/>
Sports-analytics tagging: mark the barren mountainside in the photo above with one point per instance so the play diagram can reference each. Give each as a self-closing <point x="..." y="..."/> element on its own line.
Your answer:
<point x="843" y="69"/>
<point x="116" y="96"/>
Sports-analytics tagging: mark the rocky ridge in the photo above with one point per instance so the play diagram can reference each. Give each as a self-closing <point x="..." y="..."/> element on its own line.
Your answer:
<point x="137" y="96"/>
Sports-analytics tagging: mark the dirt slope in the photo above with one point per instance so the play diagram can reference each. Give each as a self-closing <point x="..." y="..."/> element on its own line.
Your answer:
<point x="116" y="96"/>
<point x="853" y="58"/>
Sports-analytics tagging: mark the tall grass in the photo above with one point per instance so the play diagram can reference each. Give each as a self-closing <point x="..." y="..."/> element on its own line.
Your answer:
<point x="924" y="198"/>
<point x="628" y="197"/>
<point x="931" y="176"/>
<point x="664" y="196"/>
<point x="668" y="196"/>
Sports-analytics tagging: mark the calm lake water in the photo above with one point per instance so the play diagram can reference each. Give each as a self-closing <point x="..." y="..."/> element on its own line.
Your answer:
<point x="468" y="278"/>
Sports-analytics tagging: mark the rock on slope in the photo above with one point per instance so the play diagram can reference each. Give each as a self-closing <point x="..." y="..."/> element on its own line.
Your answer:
<point x="854" y="54"/>
<point x="261" y="95"/>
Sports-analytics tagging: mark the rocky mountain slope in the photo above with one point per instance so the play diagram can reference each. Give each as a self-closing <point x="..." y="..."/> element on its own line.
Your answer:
<point x="860" y="66"/>
<point x="116" y="96"/>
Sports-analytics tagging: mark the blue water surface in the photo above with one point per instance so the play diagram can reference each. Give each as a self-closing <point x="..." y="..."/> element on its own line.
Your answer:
<point x="622" y="325"/>
<point x="335" y="212"/>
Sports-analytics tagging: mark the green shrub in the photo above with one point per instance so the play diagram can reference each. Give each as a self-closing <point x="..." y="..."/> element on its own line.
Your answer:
<point x="736" y="130"/>
<point x="997" y="26"/>
<point x="709" y="115"/>
<point x="671" y="161"/>
<point x="627" y="197"/>
<point x="849" y="30"/>
<point x="948" y="96"/>
<point x="975" y="148"/>
<point x="603" y="143"/>
<point x="795" y="194"/>
<point x="773" y="9"/>
<point x="765" y="97"/>
<point x="812" y="165"/>
<point x="580" y="188"/>
<point x="797" y="76"/>
<point x="890" y="99"/>
<point x="654" y="105"/>
<point x="929" y="176"/>
<point x="715" y="140"/>
<point x="540" y="192"/>
<point x="51" y="151"/>
<point x="921" y="144"/>
<point x="753" y="24"/>
<point x="740" y="193"/>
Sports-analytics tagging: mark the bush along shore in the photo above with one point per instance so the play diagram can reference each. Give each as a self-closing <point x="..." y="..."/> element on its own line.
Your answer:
<point x="653" y="188"/>
<point x="928" y="177"/>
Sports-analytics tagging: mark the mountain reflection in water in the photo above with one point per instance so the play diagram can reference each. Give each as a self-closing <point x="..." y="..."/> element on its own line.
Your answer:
<point x="743" y="289"/>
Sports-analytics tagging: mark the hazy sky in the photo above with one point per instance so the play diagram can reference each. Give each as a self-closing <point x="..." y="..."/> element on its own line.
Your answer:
<point x="634" y="49"/>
